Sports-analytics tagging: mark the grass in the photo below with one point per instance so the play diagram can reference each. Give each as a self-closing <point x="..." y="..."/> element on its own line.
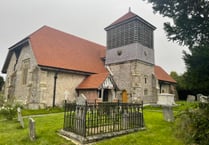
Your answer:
<point x="26" y="112"/>
<point x="158" y="132"/>
<point x="12" y="134"/>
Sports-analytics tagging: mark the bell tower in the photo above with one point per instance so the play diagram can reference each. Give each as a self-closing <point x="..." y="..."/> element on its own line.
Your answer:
<point x="130" y="57"/>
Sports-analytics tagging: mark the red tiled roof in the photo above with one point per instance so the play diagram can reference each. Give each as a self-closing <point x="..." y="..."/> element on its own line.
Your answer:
<point x="124" y="17"/>
<point x="163" y="75"/>
<point x="53" y="48"/>
<point x="94" y="81"/>
<point x="128" y="16"/>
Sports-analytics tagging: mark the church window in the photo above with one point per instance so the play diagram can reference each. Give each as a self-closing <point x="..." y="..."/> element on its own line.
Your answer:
<point x="25" y="67"/>
<point x="145" y="79"/>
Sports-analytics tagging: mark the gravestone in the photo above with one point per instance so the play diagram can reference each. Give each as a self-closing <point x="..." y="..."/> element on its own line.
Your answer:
<point x="168" y="113"/>
<point x="81" y="100"/>
<point x="125" y="119"/>
<point x="204" y="99"/>
<point x="80" y="115"/>
<point x="32" y="129"/>
<point x="198" y="97"/>
<point x="190" y="98"/>
<point x="19" y="117"/>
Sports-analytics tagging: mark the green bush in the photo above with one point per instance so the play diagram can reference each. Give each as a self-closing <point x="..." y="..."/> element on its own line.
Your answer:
<point x="8" y="111"/>
<point x="1" y="99"/>
<point x="192" y="124"/>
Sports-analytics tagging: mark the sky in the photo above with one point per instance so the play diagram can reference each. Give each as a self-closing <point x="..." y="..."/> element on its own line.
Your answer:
<point x="86" y="19"/>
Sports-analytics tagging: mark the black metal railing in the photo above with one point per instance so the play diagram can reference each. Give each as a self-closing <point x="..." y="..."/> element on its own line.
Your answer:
<point x="100" y="118"/>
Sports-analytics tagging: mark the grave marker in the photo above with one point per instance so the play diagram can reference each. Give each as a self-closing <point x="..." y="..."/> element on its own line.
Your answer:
<point x="19" y="117"/>
<point x="32" y="129"/>
<point x="81" y="100"/>
<point x="168" y="113"/>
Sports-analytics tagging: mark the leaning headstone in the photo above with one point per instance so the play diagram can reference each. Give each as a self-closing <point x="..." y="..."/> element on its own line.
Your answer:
<point x="81" y="100"/>
<point x="19" y="117"/>
<point x="198" y="97"/>
<point x="204" y="99"/>
<point x="168" y="113"/>
<point x="190" y="98"/>
<point x="32" y="129"/>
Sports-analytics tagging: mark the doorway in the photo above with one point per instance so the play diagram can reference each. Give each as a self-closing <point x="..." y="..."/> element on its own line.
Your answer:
<point x="124" y="96"/>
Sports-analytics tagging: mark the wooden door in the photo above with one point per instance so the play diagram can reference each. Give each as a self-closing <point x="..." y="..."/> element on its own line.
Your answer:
<point x="124" y="96"/>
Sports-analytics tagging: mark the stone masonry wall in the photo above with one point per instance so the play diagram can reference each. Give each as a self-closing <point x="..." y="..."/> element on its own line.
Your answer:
<point x="137" y="79"/>
<point x="15" y="88"/>
<point x="39" y="85"/>
<point x="66" y="82"/>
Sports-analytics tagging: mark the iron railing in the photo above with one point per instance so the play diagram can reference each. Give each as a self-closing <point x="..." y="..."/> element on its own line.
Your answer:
<point x="99" y="118"/>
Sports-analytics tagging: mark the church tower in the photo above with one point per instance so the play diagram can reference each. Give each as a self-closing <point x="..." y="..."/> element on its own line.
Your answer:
<point x="130" y="57"/>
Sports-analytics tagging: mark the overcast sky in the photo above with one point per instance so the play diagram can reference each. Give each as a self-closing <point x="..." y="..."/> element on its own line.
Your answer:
<point x="83" y="18"/>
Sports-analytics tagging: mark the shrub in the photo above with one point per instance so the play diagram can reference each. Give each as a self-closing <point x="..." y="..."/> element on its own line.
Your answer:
<point x="8" y="111"/>
<point x="192" y="125"/>
<point x="1" y="99"/>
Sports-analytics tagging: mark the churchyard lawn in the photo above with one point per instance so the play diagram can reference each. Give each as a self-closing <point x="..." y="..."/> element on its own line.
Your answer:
<point x="158" y="131"/>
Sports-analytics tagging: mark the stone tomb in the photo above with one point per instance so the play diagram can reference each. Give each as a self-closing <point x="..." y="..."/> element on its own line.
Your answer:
<point x="167" y="101"/>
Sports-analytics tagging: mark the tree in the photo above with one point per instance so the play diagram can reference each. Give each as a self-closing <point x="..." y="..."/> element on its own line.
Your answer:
<point x="191" y="28"/>
<point x="198" y="69"/>
<point x="190" y="20"/>
<point x="1" y="82"/>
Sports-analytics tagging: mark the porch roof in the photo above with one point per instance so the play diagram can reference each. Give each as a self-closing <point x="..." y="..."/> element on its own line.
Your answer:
<point x="162" y="75"/>
<point x="93" y="81"/>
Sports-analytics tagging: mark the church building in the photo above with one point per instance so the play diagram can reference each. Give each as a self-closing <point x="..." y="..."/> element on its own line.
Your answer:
<point x="50" y="66"/>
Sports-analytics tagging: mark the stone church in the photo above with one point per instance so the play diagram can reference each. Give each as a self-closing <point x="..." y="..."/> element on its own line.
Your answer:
<point x="50" y="66"/>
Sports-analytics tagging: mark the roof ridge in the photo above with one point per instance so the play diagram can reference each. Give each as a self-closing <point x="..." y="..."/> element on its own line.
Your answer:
<point x="126" y="16"/>
<point x="48" y="27"/>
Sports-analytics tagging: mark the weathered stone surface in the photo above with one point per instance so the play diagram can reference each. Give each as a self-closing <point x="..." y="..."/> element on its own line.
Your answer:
<point x="130" y="76"/>
<point x="166" y="99"/>
<point x="19" y="117"/>
<point x="40" y="83"/>
<point x="81" y="100"/>
<point x="204" y="99"/>
<point x="190" y="98"/>
<point x="168" y="113"/>
<point x="32" y="129"/>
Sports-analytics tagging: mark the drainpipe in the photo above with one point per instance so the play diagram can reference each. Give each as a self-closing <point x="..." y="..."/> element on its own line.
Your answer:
<point x="54" y="91"/>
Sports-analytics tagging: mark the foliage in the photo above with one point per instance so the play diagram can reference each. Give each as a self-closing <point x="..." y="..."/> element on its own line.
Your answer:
<point x="190" y="27"/>
<point x="192" y="124"/>
<point x="1" y="99"/>
<point x="190" y="20"/>
<point x="1" y="83"/>
<point x="8" y="111"/>
<point x="183" y="86"/>
<point x="197" y="63"/>
<point x="180" y="79"/>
